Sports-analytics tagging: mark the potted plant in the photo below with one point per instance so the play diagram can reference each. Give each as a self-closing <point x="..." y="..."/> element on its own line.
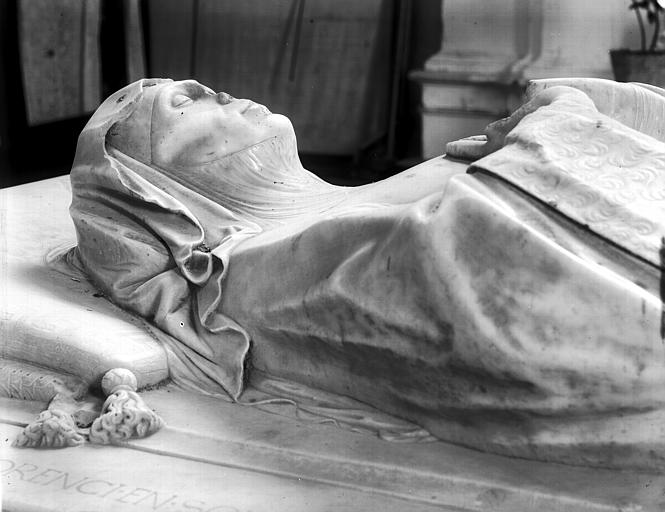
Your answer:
<point x="646" y="65"/>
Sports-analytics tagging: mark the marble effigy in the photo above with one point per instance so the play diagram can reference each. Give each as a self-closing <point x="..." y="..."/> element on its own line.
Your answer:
<point x="513" y="306"/>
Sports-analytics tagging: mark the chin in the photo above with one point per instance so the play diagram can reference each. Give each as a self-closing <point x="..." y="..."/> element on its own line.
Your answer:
<point x="280" y="125"/>
<point x="280" y="129"/>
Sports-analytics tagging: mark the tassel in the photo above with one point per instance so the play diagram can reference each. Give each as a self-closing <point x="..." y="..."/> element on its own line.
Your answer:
<point x="124" y="413"/>
<point x="55" y="427"/>
<point x="52" y="429"/>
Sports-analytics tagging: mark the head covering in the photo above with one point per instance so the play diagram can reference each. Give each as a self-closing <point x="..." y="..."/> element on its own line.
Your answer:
<point x="154" y="246"/>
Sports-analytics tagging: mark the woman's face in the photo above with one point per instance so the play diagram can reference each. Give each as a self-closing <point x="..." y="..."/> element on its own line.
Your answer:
<point x="192" y="125"/>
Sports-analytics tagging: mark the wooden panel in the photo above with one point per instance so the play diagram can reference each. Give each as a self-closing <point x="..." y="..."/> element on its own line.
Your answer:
<point x="58" y="43"/>
<point x="171" y="24"/>
<point x="330" y="77"/>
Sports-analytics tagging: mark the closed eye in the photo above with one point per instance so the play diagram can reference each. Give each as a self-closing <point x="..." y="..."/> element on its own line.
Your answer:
<point x="180" y="100"/>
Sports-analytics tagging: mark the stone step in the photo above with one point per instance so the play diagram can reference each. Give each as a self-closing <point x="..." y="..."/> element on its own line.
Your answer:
<point x="214" y="453"/>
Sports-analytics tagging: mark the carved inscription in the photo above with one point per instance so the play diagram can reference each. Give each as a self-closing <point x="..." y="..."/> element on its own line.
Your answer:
<point x="55" y="480"/>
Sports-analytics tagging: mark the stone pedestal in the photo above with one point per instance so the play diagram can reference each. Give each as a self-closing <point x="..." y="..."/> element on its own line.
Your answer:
<point x="491" y="49"/>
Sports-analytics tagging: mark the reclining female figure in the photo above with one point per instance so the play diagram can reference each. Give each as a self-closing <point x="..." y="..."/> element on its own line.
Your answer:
<point x="512" y="306"/>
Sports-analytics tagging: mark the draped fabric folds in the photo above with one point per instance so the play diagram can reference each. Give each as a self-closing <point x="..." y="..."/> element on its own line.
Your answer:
<point x="592" y="149"/>
<point x="141" y="239"/>
<point x="512" y="305"/>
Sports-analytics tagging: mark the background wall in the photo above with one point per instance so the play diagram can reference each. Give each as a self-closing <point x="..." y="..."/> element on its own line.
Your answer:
<point x="326" y="65"/>
<point x="337" y="69"/>
<point x="490" y="48"/>
<point x="372" y="86"/>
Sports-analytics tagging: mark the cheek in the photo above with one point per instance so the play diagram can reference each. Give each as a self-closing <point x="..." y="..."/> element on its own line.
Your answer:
<point x="186" y="141"/>
<point x="199" y="137"/>
<point x="236" y="132"/>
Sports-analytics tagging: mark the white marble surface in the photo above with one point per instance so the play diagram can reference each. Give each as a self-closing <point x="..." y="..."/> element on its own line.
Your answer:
<point x="139" y="481"/>
<point x="214" y="455"/>
<point x="57" y="320"/>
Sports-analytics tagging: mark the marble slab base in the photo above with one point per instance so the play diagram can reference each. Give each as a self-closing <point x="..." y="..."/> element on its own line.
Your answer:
<point x="118" y="479"/>
<point x="216" y="456"/>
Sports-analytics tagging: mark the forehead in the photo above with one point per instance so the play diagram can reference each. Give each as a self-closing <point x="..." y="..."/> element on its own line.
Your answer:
<point x="185" y="87"/>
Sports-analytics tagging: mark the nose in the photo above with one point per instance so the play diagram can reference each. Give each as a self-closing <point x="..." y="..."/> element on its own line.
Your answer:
<point x="224" y="98"/>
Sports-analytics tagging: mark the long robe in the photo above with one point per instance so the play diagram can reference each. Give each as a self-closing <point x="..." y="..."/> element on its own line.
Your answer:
<point x="500" y="312"/>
